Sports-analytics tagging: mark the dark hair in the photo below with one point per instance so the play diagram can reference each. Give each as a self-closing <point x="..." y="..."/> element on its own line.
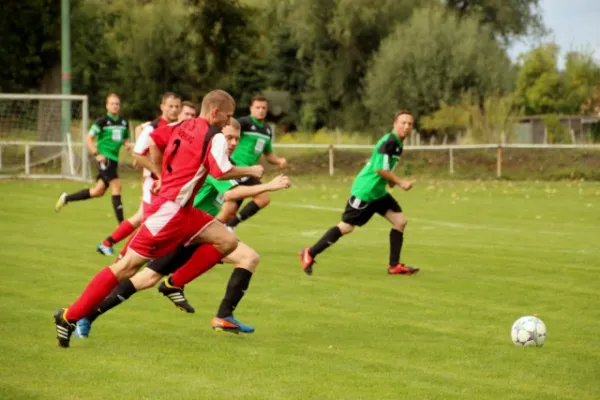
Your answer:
<point x="402" y="112"/>
<point x="169" y="95"/>
<point x="190" y="105"/>
<point x="258" y="97"/>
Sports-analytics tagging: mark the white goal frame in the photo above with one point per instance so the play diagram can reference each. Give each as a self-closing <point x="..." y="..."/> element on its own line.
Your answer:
<point x="68" y="146"/>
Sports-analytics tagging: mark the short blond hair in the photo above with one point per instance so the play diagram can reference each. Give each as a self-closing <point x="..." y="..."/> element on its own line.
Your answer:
<point x="216" y="99"/>
<point x="235" y="124"/>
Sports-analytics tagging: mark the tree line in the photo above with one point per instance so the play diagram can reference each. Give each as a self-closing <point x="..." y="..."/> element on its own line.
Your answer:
<point x="346" y="64"/>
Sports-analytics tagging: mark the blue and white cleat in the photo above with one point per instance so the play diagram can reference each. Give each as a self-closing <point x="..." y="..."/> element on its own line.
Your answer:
<point x="83" y="328"/>
<point x="230" y="324"/>
<point x="105" y="250"/>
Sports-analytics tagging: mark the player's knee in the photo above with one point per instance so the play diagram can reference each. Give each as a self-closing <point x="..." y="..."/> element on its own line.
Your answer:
<point x="262" y="200"/>
<point x="228" y="244"/>
<point x="345" y="228"/>
<point x="400" y="223"/>
<point x="116" y="187"/>
<point x="97" y="191"/>
<point x="250" y="260"/>
<point x="146" y="279"/>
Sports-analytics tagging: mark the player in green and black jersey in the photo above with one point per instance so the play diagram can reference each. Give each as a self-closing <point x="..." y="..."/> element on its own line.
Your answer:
<point x="369" y="196"/>
<point x="255" y="141"/>
<point x="106" y="136"/>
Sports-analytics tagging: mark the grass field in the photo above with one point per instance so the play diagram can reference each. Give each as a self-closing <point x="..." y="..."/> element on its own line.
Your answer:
<point x="490" y="252"/>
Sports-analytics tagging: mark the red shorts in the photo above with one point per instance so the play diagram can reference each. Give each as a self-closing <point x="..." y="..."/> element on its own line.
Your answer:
<point x="167" y="227"/>
<point x="146" y="195"/>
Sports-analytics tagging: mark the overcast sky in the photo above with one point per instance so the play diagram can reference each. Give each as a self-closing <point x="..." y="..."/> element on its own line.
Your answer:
<point x="575" y="25"/>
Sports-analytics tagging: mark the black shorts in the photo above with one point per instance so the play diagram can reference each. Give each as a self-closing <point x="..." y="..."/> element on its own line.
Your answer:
<point x="248" y="181"/>
<point x="358" y="212"/>
<point x="172" y="262"/>
<point x="107" y="171"/>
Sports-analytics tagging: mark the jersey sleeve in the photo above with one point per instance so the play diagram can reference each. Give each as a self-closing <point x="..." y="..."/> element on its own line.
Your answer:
<point x="161" y="136"/>
<point x="96" y="127"/>
<point x="142" y="143"/>
<point x="383" y="154"/>
<point x="221" y="186"/>
<point x="126" y="134"/>
<point x="268" y="147"/>
<point x="217" y="160"/>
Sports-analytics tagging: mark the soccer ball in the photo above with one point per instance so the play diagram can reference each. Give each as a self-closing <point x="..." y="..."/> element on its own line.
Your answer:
<point x="528" y="332"/>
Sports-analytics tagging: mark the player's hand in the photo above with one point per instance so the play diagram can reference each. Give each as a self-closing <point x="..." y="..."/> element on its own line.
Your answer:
<point x="282" y="162"/>
<point x="406" y="185"/>
<point x="128" y="146"/>
<point x="257" y="171"/>
<point x="100" y="158"/>
<point x="391" y="184"/>
<point x="280" y="182"/>
<point x="156" y="186"/>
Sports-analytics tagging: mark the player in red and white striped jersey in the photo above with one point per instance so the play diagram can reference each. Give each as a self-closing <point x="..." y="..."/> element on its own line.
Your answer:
<point x="187" y="152"/>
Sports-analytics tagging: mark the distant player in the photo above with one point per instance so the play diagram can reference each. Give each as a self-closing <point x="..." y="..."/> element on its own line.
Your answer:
<point x="172" y="110"/>
<point x="209" y="199"/>
<point x="110" y="132"/>
<point x="187" y="152"/>
<point x="254" y="142"/>
<point x="369" y="196"/>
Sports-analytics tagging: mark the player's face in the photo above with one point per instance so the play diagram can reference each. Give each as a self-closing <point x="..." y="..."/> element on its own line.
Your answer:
<point x="113" y="105"/>
<point x="187" y="112"/>
<point x="259" y="110"/>
<point x="232" y="136"/>
<point x="171" y="108"/>
<point x="403" y="125"/>
<point x="220" y="117"/>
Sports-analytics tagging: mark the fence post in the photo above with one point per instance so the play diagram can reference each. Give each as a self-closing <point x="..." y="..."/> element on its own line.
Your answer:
<point x="499" y="162"/>
<point x="0" y="157"/>
<point x="451" y="154"/>
<point x="330" y="160"/>
<point x="26" y="158"/>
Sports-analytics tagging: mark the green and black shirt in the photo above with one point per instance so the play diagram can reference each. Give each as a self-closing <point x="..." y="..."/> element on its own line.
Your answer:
<point x="110" y="133"/>
<point x="255" y="139"/>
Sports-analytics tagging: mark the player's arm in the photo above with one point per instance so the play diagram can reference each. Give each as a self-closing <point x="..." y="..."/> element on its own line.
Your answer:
<point x="154" y="161"/>
<point x="382" y="163"/>
<point x="272" y="158"/>
<point x="90" y="143"/>
<point x="219" y="166"/>
<point x="126" y="142"/>
<point x="242" y="192"/>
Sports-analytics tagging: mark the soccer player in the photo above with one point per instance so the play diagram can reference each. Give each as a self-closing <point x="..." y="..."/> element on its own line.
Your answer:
<point x="254" y="142"/>
<point x="187" y="152"/>
<point x="369" y="196"/>
<point x="111" y="132"/>
<point x="209" y="199"/>
<point x="172" y="110"/>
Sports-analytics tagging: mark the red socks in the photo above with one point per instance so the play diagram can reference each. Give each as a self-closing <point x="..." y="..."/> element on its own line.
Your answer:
<point x="98" y="288"/>
<point x="124" y="229"/>
<point x="203" y="259"/>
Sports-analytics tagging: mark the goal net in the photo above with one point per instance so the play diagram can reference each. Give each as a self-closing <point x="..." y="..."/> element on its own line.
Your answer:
<point x="42" y="136"/>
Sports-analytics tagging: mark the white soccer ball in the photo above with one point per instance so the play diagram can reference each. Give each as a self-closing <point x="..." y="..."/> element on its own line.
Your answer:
<point x="528" y="331"/>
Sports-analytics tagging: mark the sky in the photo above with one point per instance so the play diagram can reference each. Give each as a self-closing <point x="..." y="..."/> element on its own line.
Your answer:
<point x="574" y="25"/>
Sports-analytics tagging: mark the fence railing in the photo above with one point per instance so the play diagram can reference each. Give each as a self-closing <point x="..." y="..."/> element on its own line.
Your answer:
<point x="450" y="148"/>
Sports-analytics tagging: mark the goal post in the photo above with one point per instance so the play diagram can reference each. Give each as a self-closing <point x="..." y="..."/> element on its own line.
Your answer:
<point x="32" y="141"/>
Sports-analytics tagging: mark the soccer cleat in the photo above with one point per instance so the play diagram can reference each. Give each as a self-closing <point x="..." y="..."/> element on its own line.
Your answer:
<point x="105" y="250"/>
<point x="307" y="261"/>
<point x="175" y="294"/>
<point x="61" y="202"/>
<point x="231" y="325"/>
<point x="402" y="269"/>
<point x="83" y="328"/>
<point x="64" y="328"/>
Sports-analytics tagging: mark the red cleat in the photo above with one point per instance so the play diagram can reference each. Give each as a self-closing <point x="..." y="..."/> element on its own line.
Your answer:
<point x="307" y="261"/>
<point x="402" y="269"/>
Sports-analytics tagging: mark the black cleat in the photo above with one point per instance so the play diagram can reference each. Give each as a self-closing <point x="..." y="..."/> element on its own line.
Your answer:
<point x="175" y="294"/>
<point x="64" y="329"/>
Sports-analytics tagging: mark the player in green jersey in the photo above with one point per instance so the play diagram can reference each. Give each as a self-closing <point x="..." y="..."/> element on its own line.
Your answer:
<point x="210" y="199"/>
<point x="369" y="196"/>
<point x="104" y="141"/>
<point x="255" y="141"/>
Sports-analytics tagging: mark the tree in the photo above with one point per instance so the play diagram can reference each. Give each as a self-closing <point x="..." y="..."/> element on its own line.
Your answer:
<point x="435" y="57"/>
<point x="581" y="83"/>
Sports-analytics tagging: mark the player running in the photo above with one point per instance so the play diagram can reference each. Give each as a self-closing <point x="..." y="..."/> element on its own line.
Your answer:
<point x="110" y="132"/>
<point x="172" y="111"/>
<point x="209" y="199"/>
<point x="187" y="152"/>
<point x="369" y="196"/>
<point x="254" y="142"/>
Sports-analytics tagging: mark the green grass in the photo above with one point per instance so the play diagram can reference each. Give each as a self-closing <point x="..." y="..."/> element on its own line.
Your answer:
<point x="490" y="252"/>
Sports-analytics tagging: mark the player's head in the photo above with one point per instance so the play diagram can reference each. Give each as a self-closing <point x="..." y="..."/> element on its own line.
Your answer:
<point x="170" y="105"/>
<point x="232" y="134"/>
<point x="259" y="106"/>
<point x="113" y="104"/>
<point x="188" y="111"/>
<point x="217" y="108"/>
<point x="403" y="123"/>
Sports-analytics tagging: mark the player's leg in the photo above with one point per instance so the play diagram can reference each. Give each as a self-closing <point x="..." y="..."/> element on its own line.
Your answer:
<point x="116" y="188"/>
<point x="257" y="203"/>
<point x="228" y="210"/>
<point x="245" y="260"/>
<point x="124" y="229"/>
<point x="356" y="213"/>
<point x="98" y="288"/>
<point x="84" y="194"/>
<point x="391" y="210"/>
